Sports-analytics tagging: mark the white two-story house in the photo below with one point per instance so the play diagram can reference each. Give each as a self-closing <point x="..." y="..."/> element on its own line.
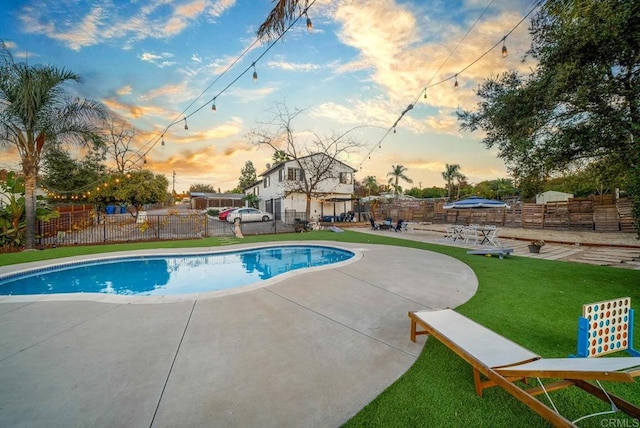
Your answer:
<point x="318" y="185"/>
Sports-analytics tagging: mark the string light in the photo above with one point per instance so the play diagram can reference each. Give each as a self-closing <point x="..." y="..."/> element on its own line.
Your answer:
<point x="186" y="127"/>
<point x="162" y="140"/>
<point x="309" y="23"/>
<point x="455" y="77"/>
<point x="152" y="143"/>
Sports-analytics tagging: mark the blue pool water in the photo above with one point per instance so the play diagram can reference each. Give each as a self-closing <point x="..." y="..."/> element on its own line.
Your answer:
<point x="170" y="275"/>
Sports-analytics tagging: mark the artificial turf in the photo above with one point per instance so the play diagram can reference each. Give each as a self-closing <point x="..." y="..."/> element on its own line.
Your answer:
<point x="533" y="302"/>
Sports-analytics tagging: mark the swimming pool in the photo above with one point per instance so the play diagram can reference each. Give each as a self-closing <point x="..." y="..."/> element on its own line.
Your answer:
<point x="163" y="275"/>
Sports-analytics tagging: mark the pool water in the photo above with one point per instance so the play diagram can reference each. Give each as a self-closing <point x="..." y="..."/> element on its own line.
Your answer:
<point x="171" y="275"/>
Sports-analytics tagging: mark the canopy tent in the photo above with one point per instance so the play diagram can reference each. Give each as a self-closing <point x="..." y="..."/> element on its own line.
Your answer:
<point x="475" y="202"/>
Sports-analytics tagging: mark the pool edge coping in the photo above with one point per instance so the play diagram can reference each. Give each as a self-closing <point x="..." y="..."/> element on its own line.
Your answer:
<point x="135" y="299"/>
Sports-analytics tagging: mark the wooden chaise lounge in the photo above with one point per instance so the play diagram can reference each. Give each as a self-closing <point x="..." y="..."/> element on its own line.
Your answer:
<point x="501" y="362"/>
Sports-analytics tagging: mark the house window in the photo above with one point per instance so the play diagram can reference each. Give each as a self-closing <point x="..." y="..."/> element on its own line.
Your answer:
<point x="281" y="175"/>
<point x="256" y="191"/>
<point x="345" y="178"/>
<point x="266" y="182"/>
<point x="295" y="174"/>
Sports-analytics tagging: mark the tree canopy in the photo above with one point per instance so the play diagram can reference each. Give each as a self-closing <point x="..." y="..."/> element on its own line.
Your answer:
<point x="134" y="189"/>
<point x="248" y="175"/>
<point x="581" y="102"/>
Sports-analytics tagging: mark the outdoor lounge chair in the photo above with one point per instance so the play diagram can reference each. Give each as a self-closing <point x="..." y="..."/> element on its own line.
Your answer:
<point x="400" y="226"/>
<point x="501" y="362"/>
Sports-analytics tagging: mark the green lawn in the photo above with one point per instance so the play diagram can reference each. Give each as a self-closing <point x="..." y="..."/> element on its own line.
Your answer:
<point x="533" y="302"/>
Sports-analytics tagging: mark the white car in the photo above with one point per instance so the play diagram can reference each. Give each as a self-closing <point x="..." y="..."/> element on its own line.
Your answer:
<point x="248" y="214"/>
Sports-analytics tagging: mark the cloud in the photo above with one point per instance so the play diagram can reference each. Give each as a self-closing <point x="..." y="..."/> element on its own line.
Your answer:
<point x="131" y="111"/>
<point x="289" y="66"/>
<point x="174" y="91"/>
<point x="158" y="20"/>
<point x="125" y="90"/>
<point x="399" y="57"/>
<point x="250" y="95"/>
<point x="158" y="59"/>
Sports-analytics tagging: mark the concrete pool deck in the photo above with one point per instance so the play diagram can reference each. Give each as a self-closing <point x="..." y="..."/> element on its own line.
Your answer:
<point x="310" y="350"/>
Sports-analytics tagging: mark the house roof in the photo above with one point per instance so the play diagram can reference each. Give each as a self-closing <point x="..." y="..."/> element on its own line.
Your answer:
<point x="217" y="195"/>
<point x="282" y="164"/>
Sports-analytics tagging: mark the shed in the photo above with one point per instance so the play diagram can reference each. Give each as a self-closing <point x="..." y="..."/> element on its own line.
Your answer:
<point x="553" y="196"/>
<point x="203" y="201"/>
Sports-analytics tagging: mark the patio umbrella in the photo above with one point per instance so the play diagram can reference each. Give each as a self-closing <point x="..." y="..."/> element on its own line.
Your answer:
<point x="475" y="202"/>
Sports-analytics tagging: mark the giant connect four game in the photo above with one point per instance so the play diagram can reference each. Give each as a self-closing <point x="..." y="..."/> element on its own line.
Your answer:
<point x="606" y="327"/>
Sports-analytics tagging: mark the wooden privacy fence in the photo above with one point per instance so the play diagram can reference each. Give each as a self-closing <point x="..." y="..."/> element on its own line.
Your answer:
<point x="600" y="213"/>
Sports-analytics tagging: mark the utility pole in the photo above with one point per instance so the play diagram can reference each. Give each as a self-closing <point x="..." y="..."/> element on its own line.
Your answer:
<point x="174" y="182"/>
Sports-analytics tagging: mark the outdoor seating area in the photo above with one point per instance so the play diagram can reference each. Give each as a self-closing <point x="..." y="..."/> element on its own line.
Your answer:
<point x="497" y="361"/>
<point x="473" y="234"/>
<point x="387" y="224"/>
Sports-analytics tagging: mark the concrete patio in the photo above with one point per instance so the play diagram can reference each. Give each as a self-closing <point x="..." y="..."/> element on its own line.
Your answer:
<point x="309" y="350"/>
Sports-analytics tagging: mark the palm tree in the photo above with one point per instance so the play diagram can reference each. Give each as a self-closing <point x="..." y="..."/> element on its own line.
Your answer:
<point x="461" y="179"/>
<point x="451" y="172"/>
<point x="283" y="13"/>
<point x="397" y="172"/>
<point x="35" y="112"/>
<point x="370" y="183"/>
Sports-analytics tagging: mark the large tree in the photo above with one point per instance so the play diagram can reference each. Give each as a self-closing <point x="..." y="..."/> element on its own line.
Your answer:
<point x="63" y="174"/>
<point x="119" y="138"/>
<point x="318" y="158"/>
<point x="36" y="112"/>
<point x="134" y="190"/>
<point x="248" y="175"/>
<point x="396" y="174"/>
<point x="581" y="101"/>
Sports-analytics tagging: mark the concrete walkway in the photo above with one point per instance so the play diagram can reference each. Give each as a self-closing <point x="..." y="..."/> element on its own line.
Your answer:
<point x="309" y="350"/>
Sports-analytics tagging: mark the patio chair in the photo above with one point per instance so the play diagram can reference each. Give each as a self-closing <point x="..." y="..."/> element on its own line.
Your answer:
<point x="497" y="361"/>
<point x="450" y="230"/>
<point x="491" y="237"/>
<point x="400" y="226"/>
<point x="374" y="225"/>
<point x="472" y="235"/>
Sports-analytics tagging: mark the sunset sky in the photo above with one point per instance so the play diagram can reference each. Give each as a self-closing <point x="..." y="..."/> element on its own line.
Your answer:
<point x="156" y="62"/>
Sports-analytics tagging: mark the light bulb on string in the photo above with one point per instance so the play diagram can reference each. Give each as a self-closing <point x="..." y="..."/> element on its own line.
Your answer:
<point x="162" y="140"/>
<point x="425" y="93"/>
<point x="186" y="127"/>
<point x="505" y="52"/>
<point x="455" y="84"/>
<point x="144" y="159"/>
<point x="255" y="73"/>
<point x="309" y="23"/>
<point x="213" y="106"/>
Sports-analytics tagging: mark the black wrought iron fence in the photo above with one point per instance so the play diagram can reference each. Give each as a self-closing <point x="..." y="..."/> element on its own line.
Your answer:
<point x="107" y="229"/>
